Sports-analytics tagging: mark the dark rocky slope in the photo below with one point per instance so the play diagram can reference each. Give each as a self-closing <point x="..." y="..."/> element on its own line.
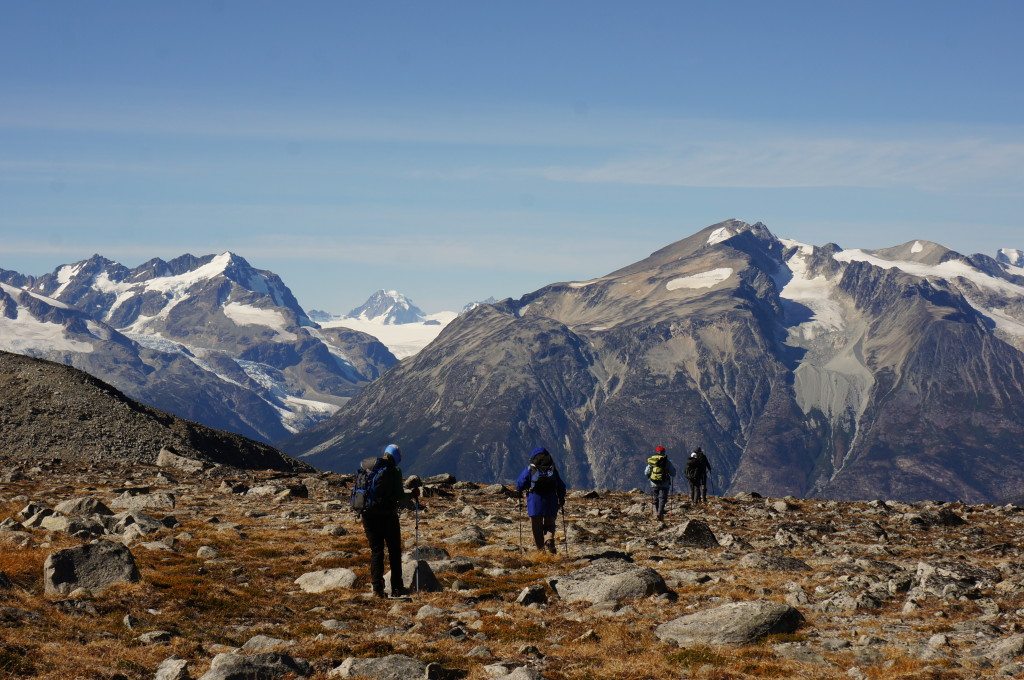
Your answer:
<point x="50" y="410"/>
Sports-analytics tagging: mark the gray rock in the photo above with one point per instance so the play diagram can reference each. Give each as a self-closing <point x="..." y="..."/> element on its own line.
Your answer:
<point x="269" y="666"/>
<point x="738" y="623"/>
<point x="265" y="643"/>
<point x="145" y="501"/>
<point x="168" y="458"/>
<point x="535" y="594"/>
<point x="1002" y="651"/>
<point x="82" y="507"/>
<point x="94" y="566"/>
<point x="415" y="576"/>
<point x="206" y="552"/>
<point x="172" y="669"/>
<point x="608" y="581"/>
<point x="695" y="533"/>
<point x="155" y="637"/>
<point x="326" y="579"/>
<point x="392" y="667"/>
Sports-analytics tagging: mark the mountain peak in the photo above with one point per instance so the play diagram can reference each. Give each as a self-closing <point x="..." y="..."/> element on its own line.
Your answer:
<point x="1011" y="256"/>
<point x="389" y="307"/>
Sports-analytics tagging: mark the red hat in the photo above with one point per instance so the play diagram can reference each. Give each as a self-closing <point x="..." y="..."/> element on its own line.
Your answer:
<point x="659" y="449"/>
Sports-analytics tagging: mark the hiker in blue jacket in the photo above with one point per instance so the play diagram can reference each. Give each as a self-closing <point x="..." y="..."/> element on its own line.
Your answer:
<point x="545" y="495"/>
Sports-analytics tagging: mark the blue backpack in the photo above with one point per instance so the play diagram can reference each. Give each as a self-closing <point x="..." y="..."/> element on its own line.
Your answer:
<point x="366" y="489"/>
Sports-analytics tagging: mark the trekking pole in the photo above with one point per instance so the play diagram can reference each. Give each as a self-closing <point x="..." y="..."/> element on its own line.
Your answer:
<point x="565" y="532"/>
<point x="416" y="572"/>
<point x="520" y="522"/>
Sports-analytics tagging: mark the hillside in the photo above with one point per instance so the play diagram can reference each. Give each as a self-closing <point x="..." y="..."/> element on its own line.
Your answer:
<point x="52" y="411"/>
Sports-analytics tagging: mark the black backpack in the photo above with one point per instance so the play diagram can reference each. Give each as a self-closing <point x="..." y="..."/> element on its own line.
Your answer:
<point x="366" y="492"/>
<point x="543" y="475"/>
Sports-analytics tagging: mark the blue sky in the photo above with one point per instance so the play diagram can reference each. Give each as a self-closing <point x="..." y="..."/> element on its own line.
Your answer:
<point x="460" y="150"/>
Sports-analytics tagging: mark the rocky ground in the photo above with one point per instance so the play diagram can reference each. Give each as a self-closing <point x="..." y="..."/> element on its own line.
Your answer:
<point x="214" y="573"/>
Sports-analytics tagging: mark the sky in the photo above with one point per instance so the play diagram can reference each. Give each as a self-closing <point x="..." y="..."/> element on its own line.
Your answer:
<point x="460" y="150"/>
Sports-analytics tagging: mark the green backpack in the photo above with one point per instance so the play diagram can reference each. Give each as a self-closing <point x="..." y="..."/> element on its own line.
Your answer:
<point x="659" y="468"/>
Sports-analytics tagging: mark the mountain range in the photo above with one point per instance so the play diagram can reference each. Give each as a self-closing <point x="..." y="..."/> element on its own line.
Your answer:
<point x="207" y="338"/>
<point x="800" y="369"/>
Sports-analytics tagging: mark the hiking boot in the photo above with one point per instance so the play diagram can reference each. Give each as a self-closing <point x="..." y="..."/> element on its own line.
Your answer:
<point x="380" y="594"/>
<point x="550" y="545"/>
<point x="400" y="592"/>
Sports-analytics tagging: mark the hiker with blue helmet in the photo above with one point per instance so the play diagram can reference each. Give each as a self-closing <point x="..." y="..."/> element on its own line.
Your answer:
<point x="545" y="495"/>
<point x="377" y="495"/>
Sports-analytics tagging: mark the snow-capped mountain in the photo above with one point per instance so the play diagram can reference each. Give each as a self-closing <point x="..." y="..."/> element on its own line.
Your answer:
<point x="800" y="369"/>
<point x="240" y="325"/>
<point x="470" y="306"/>
<point x="1011" y="256"/>
<point x="388" y="307"/>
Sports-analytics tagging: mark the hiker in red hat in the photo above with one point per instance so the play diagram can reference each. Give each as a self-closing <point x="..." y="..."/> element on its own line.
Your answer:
<point x="660" y="472"/>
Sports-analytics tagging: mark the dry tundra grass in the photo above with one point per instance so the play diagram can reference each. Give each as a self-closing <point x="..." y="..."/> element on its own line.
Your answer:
<point x="217" y="605"/>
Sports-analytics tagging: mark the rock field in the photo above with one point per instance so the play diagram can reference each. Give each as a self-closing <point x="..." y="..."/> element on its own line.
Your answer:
<point x="213" y="573"/>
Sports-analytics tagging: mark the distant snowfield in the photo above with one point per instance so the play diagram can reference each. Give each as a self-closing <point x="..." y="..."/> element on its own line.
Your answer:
<point x="707" y="279"/>
<point x="404" y="339"/>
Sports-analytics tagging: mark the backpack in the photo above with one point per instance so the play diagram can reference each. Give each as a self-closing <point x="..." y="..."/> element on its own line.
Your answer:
<point x="366" y="493"/>
<point x="693" y="470"/>
<point x="659" y="468"/>
<point x="542" y="475"/>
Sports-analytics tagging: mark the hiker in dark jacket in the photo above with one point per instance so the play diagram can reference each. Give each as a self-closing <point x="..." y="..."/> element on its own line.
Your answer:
<point x="380" y="522"/>
<point x="660" y="472"/>
<point x="545" y="495"/>
<point x="697" y="469"/>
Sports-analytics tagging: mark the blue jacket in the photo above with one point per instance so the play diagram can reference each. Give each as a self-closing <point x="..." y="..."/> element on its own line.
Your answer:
<point x="538" y="505"/>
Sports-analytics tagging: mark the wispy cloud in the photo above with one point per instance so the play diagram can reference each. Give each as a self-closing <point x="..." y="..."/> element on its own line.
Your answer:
<point x="803" y="162"/>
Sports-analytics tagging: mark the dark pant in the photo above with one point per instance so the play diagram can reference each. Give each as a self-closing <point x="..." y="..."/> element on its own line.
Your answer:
<point x="383" y="530"/>
<point x="699" y="490"/>
<point x="542" y="525"/>
<point x="660" y="500"/>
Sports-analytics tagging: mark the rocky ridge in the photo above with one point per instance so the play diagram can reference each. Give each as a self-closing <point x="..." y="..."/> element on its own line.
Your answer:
<point x="227" y="573"/>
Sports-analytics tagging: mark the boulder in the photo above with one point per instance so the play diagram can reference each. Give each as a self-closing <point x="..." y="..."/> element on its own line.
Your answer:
<point x="265" y="643"/>
<point x="169" y="459"/>
<point x="172" y="669"/>
<point x="392" y="667"/>
<point x="145" y="501"/>
<point x="535" y="594"/>
<point x="413" y="573"/>
<point x="694" y="533"/>
<point x="443" y="479"/>
<point x="608" y="581"/>
<point x="739" y="623"/>
<point x="268" y="666"/>
<point x="326" y="579"/>
<point x="94" y="566"/>
<point x="83" y="506"/>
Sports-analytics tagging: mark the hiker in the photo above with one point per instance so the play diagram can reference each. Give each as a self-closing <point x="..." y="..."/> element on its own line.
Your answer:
<point x="377" y="495"/>
<point x="697" y="469"/>
<point x="545" y="495"/>
<point x="660" y="472"/>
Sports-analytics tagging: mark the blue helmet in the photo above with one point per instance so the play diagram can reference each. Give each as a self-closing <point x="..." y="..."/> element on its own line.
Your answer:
<point x="393" y="451"/>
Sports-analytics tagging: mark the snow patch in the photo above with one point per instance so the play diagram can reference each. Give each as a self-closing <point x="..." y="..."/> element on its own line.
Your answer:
<point x="583" y="284"/>
<point x="248" y="315"/>
<point x="917" y="247"/>
<point x="707" y="279"/>
<point x="25" y="334"/>
<point x="15" y="292"/>
<point x="719" y="235"/>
